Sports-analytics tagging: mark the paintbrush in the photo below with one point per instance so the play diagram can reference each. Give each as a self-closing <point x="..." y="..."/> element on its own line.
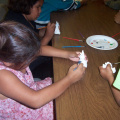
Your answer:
<point x="81" y="35"/>
<point x="72" y="46"/>
<point x="116" y="63"/>
<point x="73" y="39"/>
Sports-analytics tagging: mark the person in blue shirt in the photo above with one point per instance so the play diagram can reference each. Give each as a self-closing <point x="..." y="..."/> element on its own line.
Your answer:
<point x="56" y="5"/>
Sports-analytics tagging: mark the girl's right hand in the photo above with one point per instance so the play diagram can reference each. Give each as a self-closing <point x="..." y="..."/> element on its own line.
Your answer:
<point x="106" y="73"/>
<point x="76" y="72"/>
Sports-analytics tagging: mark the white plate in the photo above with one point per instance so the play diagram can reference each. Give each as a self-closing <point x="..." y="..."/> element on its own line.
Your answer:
<point x="102" y="42"/>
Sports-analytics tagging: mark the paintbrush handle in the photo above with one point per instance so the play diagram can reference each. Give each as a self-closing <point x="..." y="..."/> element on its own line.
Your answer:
<point x="72" y="39"/>
<point x="116" y="63"/>
<point x="72" y="46"/>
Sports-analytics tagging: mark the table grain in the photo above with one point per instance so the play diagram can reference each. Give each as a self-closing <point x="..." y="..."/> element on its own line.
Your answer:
<point x="90" y="98"/>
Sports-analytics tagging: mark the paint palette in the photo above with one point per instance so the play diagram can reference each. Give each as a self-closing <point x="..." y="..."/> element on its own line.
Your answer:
<point x="102" y="42"/>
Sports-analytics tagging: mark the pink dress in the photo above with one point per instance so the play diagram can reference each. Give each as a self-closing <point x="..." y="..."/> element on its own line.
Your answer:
<point x="12" y="110"/>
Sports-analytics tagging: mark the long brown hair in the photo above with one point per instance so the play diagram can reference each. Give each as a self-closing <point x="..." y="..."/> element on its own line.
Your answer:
<point x="18" y="44"/>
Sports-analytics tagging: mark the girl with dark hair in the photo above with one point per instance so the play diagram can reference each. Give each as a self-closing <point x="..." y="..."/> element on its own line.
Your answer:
<point x="25" y="12"/>
<point x="20" y="97"/>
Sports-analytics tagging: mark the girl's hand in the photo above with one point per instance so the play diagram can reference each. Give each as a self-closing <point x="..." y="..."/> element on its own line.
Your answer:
<point x="117" y="17"/>
<point x="76" y="74"/>
<point x="50" y="30"/>
<point x="106" y="73"/>
<point x="48" y="33"/>
<point x="74" y="56"/>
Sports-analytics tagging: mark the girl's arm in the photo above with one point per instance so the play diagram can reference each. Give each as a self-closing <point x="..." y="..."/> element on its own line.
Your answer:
<point x="107" y="74"/>
<point x="54" y="52"/>
<point x="12" y="87"/>
<point x="116" y="92"/>
<point x="48" y="33"/>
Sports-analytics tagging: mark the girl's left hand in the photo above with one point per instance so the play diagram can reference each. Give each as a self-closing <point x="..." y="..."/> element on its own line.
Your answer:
<point x="74" y="56"/>
<point x="50" y="30"/>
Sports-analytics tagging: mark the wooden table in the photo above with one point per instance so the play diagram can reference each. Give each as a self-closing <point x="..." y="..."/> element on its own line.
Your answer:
<point x="90" y="98"/>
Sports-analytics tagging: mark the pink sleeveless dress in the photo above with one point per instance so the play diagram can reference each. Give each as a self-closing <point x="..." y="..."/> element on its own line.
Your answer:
<point x="12" y="110"/>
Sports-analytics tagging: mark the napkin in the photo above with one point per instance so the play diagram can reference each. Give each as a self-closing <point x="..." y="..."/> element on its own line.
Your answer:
<point x="83" y="59"/>
<point x="105" y="65"/>
<point x="57" y="30"/>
